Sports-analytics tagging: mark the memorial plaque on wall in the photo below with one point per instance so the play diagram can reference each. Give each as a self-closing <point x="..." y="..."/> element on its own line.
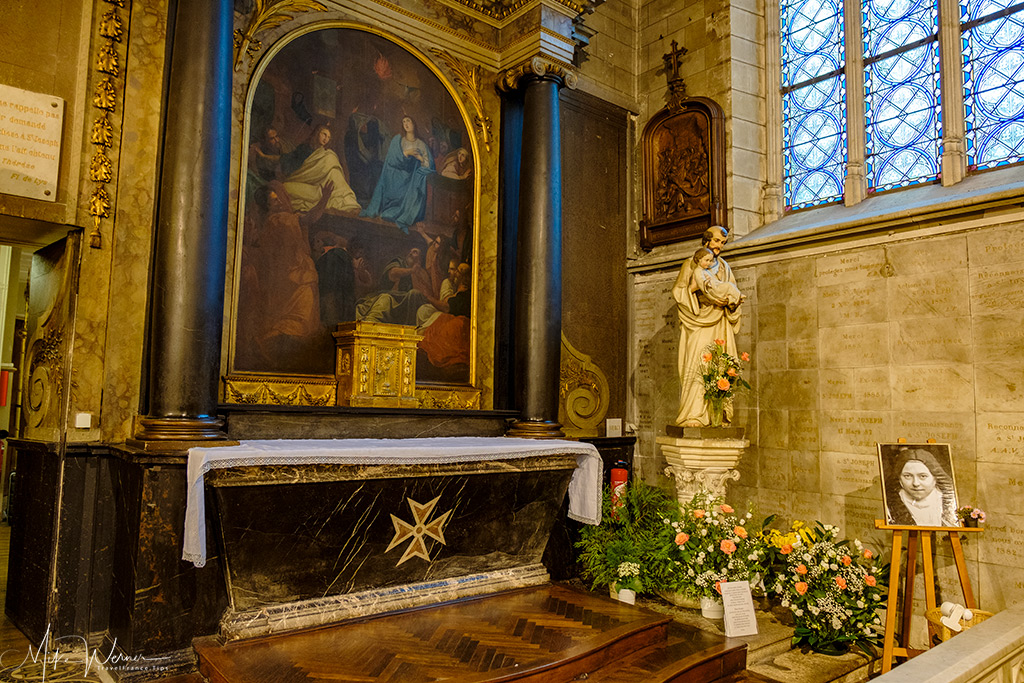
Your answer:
<point x="30" y="132"/>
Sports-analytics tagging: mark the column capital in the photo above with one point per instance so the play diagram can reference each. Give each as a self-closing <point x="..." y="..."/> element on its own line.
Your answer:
<point x="537" y="68"/>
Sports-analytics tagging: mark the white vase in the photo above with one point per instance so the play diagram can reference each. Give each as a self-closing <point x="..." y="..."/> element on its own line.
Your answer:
<point x="627" y="595"/>
<point x="712" y="608"/>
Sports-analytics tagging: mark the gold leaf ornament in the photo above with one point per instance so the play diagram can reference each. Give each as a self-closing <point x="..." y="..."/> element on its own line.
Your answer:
<point x="268" y="15"/>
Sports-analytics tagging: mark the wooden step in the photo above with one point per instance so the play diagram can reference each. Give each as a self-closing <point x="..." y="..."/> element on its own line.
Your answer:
<point x="688" y="654"/>
<point x="549" y="634"/>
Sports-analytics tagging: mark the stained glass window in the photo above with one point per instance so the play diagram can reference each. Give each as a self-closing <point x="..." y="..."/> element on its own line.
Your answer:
<point x="813" y="101"/>
<point x="901" y="92"/>
<point x="993" y="44"/>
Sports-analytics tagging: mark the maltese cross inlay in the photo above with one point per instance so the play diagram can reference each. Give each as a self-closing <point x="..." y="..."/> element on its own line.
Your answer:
<point x="419" y="528"/>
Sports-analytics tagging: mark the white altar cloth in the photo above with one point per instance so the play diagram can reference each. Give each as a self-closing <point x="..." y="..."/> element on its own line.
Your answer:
<point x="584" y="487"/>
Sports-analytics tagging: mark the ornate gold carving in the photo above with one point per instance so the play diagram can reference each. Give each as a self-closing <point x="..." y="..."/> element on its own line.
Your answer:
<point x="583" y="392"/>
<point x="101" y="169"/>
<point x="269" y="391"/>
<point x="102" y="132"/>
<point x="500" y="9"/>
<point x="450" y="398"/>
<point x="469" y="80"/>
<point x="266" y="15"/>
<point x="45" y="375"/>
<point x="107" y="60"/>
<point x="387" y="364"/>
<point x="111" y="26"/>
<point x="537" y="67"/>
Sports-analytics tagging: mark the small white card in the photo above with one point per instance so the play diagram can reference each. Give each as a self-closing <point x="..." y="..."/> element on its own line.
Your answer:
<point x="613" y="426"/>
<point x="739" y="609"/>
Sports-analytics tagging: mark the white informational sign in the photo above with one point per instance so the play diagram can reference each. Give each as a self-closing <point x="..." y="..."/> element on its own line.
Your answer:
<point x="740" y="619"/>
<point x="30" y="132"/>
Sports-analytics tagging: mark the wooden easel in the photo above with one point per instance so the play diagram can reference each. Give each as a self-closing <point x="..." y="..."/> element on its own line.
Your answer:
<point x="924" y="533"/>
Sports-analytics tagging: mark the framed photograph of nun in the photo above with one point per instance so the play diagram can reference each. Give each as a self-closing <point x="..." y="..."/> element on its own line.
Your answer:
<point x="918" y="487"/>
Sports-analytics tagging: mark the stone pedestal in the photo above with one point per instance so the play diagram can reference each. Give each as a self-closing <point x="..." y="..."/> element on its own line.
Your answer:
<point x="702" y="458"/>
<point x="375" y="365"/>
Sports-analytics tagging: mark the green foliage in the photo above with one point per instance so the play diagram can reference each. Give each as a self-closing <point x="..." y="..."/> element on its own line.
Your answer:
<point x="628" y="534"/>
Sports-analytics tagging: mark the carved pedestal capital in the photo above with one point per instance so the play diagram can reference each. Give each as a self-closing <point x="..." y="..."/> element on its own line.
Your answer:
<point x="536" y="429"/>
<point x="537" y="67"/>
<point x="702" y="463"/>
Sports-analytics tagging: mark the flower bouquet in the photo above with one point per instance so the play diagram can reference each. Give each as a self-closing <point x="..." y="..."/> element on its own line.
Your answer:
<point x="620" y="551"/>
<point x="970" y="515"/>
<point x="709" y="545"/>
<point x="834" y="589"/>
<point x="720" y="375"/>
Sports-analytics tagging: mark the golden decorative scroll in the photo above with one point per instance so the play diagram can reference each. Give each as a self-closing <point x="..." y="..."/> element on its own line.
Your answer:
<point x="265" y="16"/>
<point x="469" y="80"/>
<point x="582" y="393"/>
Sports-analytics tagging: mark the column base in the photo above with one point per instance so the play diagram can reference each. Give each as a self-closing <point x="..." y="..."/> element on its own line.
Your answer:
<point x="535" y="429"/>
<point x="172" y="432"/>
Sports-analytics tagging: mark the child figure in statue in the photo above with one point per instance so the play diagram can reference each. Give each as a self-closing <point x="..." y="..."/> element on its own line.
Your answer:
<point x="703" y="281"/>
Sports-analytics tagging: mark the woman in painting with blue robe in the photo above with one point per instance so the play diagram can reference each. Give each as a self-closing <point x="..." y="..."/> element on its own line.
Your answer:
<point x="401" y="192"/>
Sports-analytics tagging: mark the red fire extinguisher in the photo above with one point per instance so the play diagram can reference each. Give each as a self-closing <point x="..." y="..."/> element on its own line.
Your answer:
<point x="618" y="479"/>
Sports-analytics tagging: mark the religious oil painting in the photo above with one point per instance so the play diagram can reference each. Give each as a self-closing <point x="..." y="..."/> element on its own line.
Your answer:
<point x="357" y="204"/>
<point x="918" y="487"/>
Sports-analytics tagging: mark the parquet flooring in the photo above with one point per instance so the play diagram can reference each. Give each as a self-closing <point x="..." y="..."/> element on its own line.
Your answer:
<point x="548" y="633"/>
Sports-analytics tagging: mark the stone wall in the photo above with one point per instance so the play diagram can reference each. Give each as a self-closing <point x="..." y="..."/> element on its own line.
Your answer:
<point x="910" y="336"/>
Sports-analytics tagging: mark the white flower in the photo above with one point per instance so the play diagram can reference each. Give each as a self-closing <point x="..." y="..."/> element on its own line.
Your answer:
<point x="690" y="572"/>
<point x="785" y="603"/>
<point x="807" y="557"/>
<point x="833" y="567"/>
<point x="860" y="604"/>
<point x="798" y="612"/>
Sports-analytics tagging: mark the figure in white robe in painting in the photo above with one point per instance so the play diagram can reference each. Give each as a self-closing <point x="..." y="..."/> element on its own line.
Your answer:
<point x="321" y="166"/>
<point x="704" y="316"/>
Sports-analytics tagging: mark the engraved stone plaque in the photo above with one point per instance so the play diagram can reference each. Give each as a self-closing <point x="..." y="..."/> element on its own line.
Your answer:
<point x="1001" y="488"/>
<point x="856" y="389"/>
<point x="1004" y="389"/>
<point x="854" y="431"/>
<point x="937" y="255"/>
<point x="848" y="267"/>
<point x="856" y="346"/>
<point x="1001" y="438"/>
<point x="995" y="289"/>
<point x="30" y="133"/>
<point x="916" y="342"/>
<point x="931" y="295"/>
<point x="1000" y="245"/>
<point x="933" y="387"/>
<point x="849" y="474"/>
<point x="851" y="304"/>
<point x="956" y="429"/>
<point x="1003" y="544"/>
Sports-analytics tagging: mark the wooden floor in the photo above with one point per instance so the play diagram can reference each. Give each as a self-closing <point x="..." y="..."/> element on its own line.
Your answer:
<point x="548" y="633"/>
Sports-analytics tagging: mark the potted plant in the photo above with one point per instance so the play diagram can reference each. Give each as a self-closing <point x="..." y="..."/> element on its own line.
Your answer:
<point x="621" y="551"/>
<point x="970" y="516"/>
<point x="708" y="545"/>
<point x="834" y="588"/>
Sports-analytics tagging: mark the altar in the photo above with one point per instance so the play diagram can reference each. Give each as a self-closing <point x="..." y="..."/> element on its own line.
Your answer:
<point x="312" y="532"/>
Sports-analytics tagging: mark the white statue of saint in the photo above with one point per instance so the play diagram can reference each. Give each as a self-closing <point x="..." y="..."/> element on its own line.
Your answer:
<point x="708" y="303"/>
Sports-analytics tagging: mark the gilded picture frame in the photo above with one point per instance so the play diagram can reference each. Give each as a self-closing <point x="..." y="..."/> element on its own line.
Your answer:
<point x="358" y="199"/>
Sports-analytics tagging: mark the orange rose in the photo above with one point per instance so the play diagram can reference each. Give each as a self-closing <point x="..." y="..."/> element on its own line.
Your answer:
<point x="841" y="582"/>
<point x="723" y="384"/>
<point x="726" y="508"/>
<point x="801" y="587"/>
<point x="739" y="531"/>
<point x="727" y="547"/>
<point x="801" y="569"/>
<point x="786" y="549"/>
<point x="720" y="342"/>
<point x="731" y="372"/>
<point x="706" y="357"/>
<point x="718" y="587"/>
<point x="847" y="560"/>
<point x="870" y="580"/>
<point x="745" y="356"/>
<point x="682" y="538"/>
<point x="698" y="514"/>
<point x="868" y="554"/>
